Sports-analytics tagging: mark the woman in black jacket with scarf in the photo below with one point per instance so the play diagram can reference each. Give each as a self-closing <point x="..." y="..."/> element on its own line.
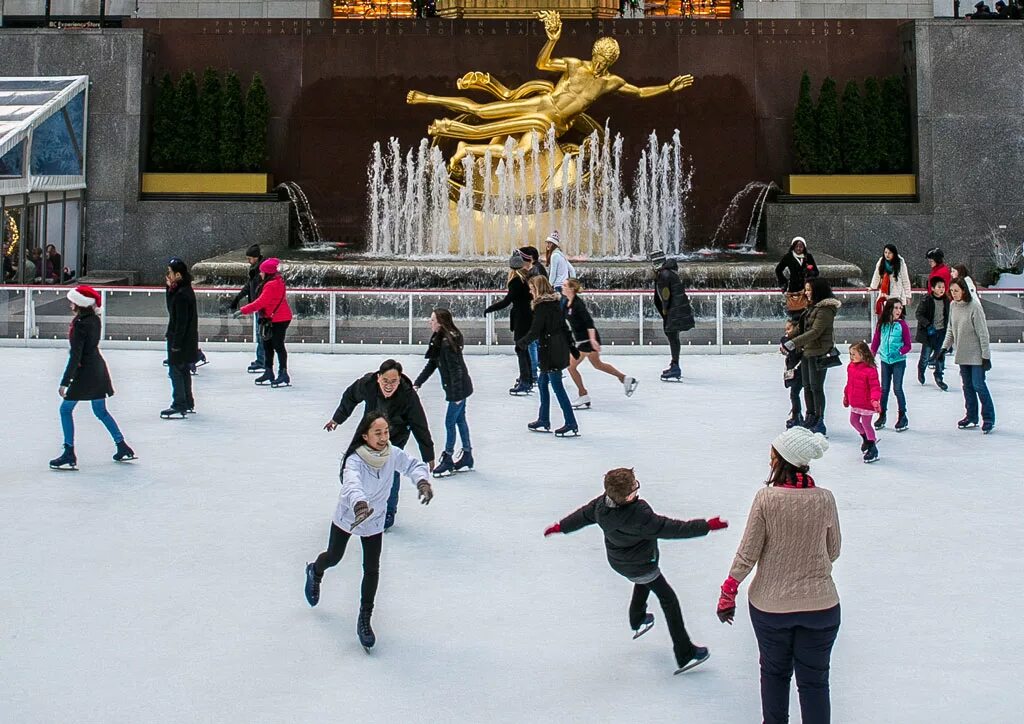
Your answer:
<point x="796" y="267"/>
<point x="445" y="354"/>
<point x="86" y="378"/>
<point x="182" y="338"/>
<point x="550" y="329"/>
<point x="519" y="319"/>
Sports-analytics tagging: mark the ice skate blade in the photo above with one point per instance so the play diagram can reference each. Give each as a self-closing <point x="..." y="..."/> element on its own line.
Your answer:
<point x="584" y="406"/>
<point x="567" y="433"/>
<point x="275" y="387"/>
<point x="202" y="363"/>
<point x="641" y="631"/>
<point x="691" y="664"/>
<point x="173" y="416"/>
<point x="868" y="461"/>
<point x="367" y="649"/>
<point x="671" y="379"/>
<point x="68" y="468"/>
<point x="128" y="459"/>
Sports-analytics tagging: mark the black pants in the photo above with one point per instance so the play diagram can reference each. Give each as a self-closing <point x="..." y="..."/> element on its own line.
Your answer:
<point x="813" y="374"/>
<point x="800" y="642"/>
<point x="681" y="643"/>
<point x="371" y="561"/>
<point x="181" y="385"/>
<point x="525" y="366"/>
<point x="673" y="345"/>
<point x="276" y="344"/>
<point x="796" y="388"/>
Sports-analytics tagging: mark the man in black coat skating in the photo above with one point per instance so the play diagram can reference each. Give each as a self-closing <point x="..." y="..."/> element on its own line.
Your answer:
<point x="676" y="313"/>
<point x="249" y="292"/>
<point x="182" y="337"/>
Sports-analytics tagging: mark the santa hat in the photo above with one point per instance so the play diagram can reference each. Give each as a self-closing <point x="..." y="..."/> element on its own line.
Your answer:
<point x="85" y="296"/>
<point x="799" y="446"/>
<point x="553" y="238"/>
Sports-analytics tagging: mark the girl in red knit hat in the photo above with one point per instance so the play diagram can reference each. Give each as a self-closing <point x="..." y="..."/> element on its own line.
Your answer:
<point x="86" y="378"/>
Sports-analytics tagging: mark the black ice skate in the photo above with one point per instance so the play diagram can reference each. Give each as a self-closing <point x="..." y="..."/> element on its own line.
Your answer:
<point x="646" y="625"/>
<point x="967" y="424"/>
<point x="672" y="374"/>
<point x="567" y="431"/>
<point x="445" y="466"/>
<point x="902" y="423"/>
<point x="941" y="385"/>
<point x="124" y="453"/>
<point x="366" y="637"/>
<point x="283" y="380"/>
<point x="521" y="388"/>
<point x="256" y="367"/>
<point x="312" y="585"/>
<point x="201" y="361"/>
<point x="987" y="427"/>
<point x="871" y="454"/>
<point x="67" y="460"/>
<point x="700" y="655"/>
<point x="266" y="378"/>
<point x="172" y="413"/>
<point x="880" y="422"/>
<point x="538" y="426"/>
<point x="465" y="461"/>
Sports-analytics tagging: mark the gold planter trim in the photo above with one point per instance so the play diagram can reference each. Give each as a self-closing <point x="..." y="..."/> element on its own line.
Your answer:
<point x="876" y="184"/>
<point x="205" y="183"/>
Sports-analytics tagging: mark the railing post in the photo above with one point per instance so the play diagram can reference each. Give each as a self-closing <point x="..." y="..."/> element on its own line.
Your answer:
<point x="488" y="324"/>
<point x="640" y="312"/>
<point x="410" y="317"/>
<point x="332" y="319"/>
<point x="30" y="312"/>
<point x="103" y="314"/>
<point x="719" y="318"/>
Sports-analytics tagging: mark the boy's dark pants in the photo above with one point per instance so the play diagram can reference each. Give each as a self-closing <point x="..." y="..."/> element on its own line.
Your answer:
<point x="932" y="351"/>
<point x="796" y="388"/>
<point x="681" y="643"/>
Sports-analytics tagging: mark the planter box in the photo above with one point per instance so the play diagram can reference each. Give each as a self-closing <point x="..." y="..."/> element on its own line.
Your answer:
<point x="206" y="183"/>
<point x="897" y="184"/>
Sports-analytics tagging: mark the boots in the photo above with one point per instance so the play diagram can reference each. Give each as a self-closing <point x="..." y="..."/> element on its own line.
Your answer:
<point x="312" y="585"/>
<point x="67" y="460"/>
<point x="871" y="454"/>
<point x="902" y="423"/>
<point x="465" y="461"/>
<point x="266" y="378"/>
<point x="445" y="466"/>
<point x="363" y="629"/>
<point x="123" y="452"/>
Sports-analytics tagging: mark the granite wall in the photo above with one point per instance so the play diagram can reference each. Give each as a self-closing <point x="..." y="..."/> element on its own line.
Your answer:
<point x="970" y="155"/>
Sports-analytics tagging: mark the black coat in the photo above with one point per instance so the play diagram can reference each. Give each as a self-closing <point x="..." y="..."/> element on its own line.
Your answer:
<point x="552" y="334"/>
<point x="182" y="325"/>
<point x="404" y="411"/>
<point x="86" y="375"/>
<point x="580" y="321"/>
<point x="798" y="273"/>
<point x="671" y="300"/>
<point x="442" y="355"/>
<point x="251" y="290"/>
<point x="926" y="316"/>
<point x="631" y="532"/>
<point x="521" y="316"/>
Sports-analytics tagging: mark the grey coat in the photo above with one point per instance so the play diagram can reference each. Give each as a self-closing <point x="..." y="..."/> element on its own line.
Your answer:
<point x="967" y="330"/>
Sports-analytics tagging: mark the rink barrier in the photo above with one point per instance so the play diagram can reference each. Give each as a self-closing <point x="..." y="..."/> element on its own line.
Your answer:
<point x="396" y="320"/>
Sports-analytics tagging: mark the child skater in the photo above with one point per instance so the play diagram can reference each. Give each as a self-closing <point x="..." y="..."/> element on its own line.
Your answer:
<point x="792" y="378"/>
<point x="863" y="396"/>
<point x="367" y="469"/>
<point x="932" y="313"/>
<point x="891" y="343"/>
<point x="631" y="532"/>
<point x="445" y="353"/>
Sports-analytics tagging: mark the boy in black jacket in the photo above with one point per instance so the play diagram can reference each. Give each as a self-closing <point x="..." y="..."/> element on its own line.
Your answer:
<point x="792" y="378"/>
<point x="631" y="532"/>
<point x="932" y="317"/>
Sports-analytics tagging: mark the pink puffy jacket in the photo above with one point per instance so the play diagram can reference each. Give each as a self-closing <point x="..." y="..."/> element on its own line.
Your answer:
<point x="272" y="297"/>
<point x="862" y="388"/>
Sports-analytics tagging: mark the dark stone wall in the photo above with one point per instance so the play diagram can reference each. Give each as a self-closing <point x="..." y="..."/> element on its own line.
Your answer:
<point x="338" y="87"/>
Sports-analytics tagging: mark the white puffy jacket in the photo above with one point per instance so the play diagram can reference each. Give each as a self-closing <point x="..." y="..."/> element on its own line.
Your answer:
<point x="359" y="481"/>
<point x="899" y="286"/>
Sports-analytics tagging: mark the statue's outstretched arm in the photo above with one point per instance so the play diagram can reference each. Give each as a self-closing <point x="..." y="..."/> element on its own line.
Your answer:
<point x="674" y="85"/>
<point x="553" y="29"/>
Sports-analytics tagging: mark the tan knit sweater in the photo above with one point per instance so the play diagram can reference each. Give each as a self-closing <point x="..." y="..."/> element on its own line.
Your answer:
<point x="792" y="536"/>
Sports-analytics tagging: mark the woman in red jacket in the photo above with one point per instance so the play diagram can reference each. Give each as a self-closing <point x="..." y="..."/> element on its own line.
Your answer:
<point x="275" y="316"/>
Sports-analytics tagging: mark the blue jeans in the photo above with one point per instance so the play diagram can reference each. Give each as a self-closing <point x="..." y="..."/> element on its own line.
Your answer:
<point x="99" y="408"/>
<point x="892" y="376"/>
<point x="534" y="350"/>
<point x="456" y="418"/>
<point x="261" y="355"/>
<point x="392" y="507"/>
<point x="932" y="351"/>
<point x="554" y="378"/>
<point x="975" y="389"/>
<point x="800" y="641"/>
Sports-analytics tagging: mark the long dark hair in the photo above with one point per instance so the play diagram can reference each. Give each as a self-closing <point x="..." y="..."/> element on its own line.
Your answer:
<point x="364" y="427"/>
<point x="448" y="328"/>
<point x="820" y="290"/>
<point x="962" y="272"/>
<point x="783" y="471"/>
<point x="886" y="316"/>
<point x="895" y="261"/>
<point x="962" y="283"/>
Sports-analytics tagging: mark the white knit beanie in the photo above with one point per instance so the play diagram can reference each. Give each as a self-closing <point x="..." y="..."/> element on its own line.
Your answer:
<point x="799" y="446"/>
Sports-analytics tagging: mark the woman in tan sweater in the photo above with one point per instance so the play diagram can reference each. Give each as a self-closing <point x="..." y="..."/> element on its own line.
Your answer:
<point x="792" y="536"/>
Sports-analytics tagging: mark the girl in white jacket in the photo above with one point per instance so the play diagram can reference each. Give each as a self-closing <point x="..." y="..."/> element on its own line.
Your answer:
<point x="367" y="471"/>
<point x="891" y="278"/>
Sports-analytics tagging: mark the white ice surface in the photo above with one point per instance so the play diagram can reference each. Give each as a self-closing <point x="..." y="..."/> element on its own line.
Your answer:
<point x="170" y="589"/>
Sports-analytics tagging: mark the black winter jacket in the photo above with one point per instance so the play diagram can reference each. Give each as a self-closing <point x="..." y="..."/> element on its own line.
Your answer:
<point x="521" y="316"/>
<point x="86" y="375"/>
<point x="580" y="321"/>
<point x="798" y="273"/>
<point x="404" y="411"/>
<point x="793" y="359"/>
<point x="671" y="300"/>
<point x="182" y="325"/>
<point x="926" y="316"/>
<point x="631" y="532"/>
<point x="552" y="334"/>
<point x="251" y="290"/>
<point x="442" y="355"/>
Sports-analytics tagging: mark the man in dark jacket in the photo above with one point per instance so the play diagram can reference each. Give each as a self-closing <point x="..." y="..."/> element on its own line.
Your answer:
<point x="676" y="313"/>
<point x="631" y="532"/>
<point x="182" y="338"/>
<point x="249" y="293"/>
<point x="391" y="392"/>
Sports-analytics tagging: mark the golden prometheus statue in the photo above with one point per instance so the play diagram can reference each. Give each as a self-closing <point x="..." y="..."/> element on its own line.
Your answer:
<point x="537" y="105"/>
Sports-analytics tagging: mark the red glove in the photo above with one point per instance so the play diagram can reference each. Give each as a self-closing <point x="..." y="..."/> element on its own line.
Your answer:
<point x="727" y="601"/>
<point x="551" y="529"/>
<point x="876" y="405"/>
<point x="717" y="523"/>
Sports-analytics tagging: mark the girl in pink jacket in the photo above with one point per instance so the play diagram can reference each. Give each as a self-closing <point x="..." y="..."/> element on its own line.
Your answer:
<point x="863" y="396"/>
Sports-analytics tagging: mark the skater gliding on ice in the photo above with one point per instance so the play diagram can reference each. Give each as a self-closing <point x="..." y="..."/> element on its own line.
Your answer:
<point x="86" y="377"/>
<point x="932" y="316"/>
<point x="274" y="317"/>
<point x="631" y="532"/>
<point x="389" y="391"/>
<point x="250" y="292"/>
<point x="968" y="331"/>
<point x="367" y="469"/>
<point x="891" y="343"/>
<point x="182" y="338"/>
<point x="520" y="318"/>
<point x="674" y="306"/>
<point x="863" y="396"/>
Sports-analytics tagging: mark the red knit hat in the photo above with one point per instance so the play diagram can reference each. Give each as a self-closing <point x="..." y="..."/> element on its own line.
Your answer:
<point x="85" y="296"/>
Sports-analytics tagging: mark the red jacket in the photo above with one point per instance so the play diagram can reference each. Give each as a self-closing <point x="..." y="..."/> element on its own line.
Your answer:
<point x="862" y="388"/>
<point x="941" y="271"/>
<point x="272" y="303"/>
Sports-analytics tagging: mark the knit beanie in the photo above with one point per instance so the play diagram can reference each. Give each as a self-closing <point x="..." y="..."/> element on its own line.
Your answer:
<point x="516" y="261"/>
<point x="254" y="250"/>
<point x="530" y="252"/>
<point x="269" y="266"/>
<point x="85" y="296"/>
<point x="799" y="446"/>
<point x="553" y="238"/>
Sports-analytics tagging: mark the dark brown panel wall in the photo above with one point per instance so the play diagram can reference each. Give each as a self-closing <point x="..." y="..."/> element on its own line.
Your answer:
<point x="336" y="87"/>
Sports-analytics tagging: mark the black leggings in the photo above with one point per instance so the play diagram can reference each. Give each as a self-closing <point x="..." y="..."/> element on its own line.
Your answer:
<point x="276" y="344"/>
<point x="673" y="345"/>
<point x="681" y="643"/>
<point x="371" y="561"/>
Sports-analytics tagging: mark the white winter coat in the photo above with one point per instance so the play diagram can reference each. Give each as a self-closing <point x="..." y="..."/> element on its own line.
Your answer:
<point x="559" y="269"/>
<point x="361" y="482"/>
<point x="899" y="286"/>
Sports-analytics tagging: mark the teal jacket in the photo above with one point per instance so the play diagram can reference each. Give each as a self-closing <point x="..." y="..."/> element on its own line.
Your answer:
<point x="891" y="342"/>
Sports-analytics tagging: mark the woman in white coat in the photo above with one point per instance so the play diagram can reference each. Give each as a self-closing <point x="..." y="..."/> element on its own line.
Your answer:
<point x="367" y="471"/>
<point x="891" y="278"/>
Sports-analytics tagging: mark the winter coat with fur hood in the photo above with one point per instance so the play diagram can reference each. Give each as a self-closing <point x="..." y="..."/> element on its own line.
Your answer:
<point x="817" y="324"/>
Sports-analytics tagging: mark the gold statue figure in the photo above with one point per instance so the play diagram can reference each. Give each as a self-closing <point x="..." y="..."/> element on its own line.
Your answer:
<point x="536" y="105"/>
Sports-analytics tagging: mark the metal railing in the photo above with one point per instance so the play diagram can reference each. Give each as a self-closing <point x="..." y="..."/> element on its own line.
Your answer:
<point x="362" y="320"/>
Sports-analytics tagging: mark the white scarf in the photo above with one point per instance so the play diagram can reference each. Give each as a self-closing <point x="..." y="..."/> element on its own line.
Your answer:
<point x="376" y="459"/>
<point x="799" y="257"/>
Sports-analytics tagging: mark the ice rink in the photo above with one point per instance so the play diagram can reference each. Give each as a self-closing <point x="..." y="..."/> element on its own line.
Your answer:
<point x="170" y="589"/>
